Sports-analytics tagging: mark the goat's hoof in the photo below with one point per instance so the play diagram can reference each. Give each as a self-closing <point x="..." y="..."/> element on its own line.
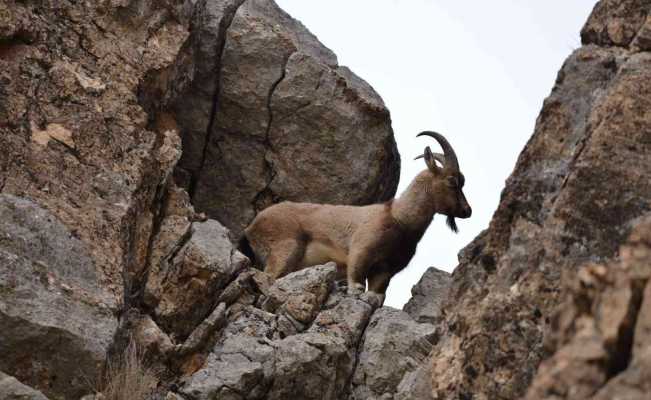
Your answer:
<point x="373" y="299"/>
<point x="356" y="289"/>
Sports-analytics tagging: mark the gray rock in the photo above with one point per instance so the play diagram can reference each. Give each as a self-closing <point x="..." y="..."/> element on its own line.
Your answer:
<point x="313" y="366"/>
<point x="282" y="101"/>
<point x="301" y="294"/>
<point x="204" y="333"/>
<point x="428" y="296"/>
<point x="393" y="346"/>
<point x="343" y="317"/>
<point x="261" y="354"/>
<point x="181" y="287"/>
<point x="416" y="384"/>
<point x="137" y="328"/>
<point x="241" y="363"/>
<point x="56" y="319"/>
<point x="12" y="389"/>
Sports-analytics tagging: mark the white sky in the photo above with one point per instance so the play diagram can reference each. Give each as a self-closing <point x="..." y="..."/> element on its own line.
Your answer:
<point x="475" y="71"/>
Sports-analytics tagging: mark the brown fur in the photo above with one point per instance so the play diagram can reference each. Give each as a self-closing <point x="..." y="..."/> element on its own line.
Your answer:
<point x="371" y="242"/>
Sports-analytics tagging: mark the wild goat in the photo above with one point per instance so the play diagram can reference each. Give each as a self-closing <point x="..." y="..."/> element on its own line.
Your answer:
<point x="371" y="242"/>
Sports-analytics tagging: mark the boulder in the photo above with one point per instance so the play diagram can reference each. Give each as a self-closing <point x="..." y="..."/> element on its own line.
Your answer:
<point x="428" y="295"/>
<point x="310" y="286"/>
<point x="183" y="288"/>
<point x="56" y="317"/>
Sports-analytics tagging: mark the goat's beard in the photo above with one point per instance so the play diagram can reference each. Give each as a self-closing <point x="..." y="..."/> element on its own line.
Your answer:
<point x="452" y="224"/>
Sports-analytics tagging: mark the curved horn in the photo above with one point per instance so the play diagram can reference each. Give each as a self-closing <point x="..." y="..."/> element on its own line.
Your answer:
<point x="450" y="155"/>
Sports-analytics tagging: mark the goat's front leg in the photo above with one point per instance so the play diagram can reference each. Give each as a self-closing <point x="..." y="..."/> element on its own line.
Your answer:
<point x="358" y="266"/>
<point x="378" y="283"/>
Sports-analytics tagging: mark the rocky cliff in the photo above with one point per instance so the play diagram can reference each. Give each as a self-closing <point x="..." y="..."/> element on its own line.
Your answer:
<point x="139" y="137"/>
<point x="119" y="119"/>
<point x="580" y="185"/>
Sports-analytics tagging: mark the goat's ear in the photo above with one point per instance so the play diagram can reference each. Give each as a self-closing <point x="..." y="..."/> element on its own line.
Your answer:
<point x="430" y="160"/>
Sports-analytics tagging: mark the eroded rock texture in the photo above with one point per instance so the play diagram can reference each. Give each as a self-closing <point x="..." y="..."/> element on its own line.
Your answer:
<point x="50" y="301"/>
<point x="601" y="335"/>
<point x="579" y="186"/>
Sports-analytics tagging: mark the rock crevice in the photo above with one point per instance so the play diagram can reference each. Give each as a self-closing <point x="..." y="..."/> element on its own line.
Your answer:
<point x="224" y="25"/>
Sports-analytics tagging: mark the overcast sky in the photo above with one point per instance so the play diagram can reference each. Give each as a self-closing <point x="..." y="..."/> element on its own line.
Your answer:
<point x="475" y="71"/>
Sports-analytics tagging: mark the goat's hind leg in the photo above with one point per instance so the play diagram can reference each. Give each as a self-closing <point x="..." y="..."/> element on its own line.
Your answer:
<point x="284" y="258"/>
<point x="377" y="285"/>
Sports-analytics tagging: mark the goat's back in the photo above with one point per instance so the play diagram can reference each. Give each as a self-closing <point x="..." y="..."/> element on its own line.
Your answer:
<point x="331" y="224"/>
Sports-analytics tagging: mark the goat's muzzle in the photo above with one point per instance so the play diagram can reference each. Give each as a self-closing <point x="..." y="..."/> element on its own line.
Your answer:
<point x="466" y="212"/>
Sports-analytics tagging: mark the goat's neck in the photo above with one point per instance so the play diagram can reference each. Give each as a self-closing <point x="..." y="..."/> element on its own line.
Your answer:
<point x="415" y="207"/>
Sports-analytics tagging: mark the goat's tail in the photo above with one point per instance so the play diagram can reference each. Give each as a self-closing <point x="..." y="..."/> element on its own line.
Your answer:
<point x="244" y="246"/>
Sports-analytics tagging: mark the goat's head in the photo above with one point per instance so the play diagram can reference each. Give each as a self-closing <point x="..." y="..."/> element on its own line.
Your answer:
<point x="447" y="181"/>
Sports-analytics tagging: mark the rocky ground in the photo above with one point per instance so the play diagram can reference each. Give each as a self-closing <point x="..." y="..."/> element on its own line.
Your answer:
<point x="139" y="137"/>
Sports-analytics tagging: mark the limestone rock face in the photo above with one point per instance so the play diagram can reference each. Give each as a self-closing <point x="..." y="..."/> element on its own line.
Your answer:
<point x="601" y="336"/>
<point x="75" y="139"/>
<point x="578" y="188"/>
<point x="270" y="116"/>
